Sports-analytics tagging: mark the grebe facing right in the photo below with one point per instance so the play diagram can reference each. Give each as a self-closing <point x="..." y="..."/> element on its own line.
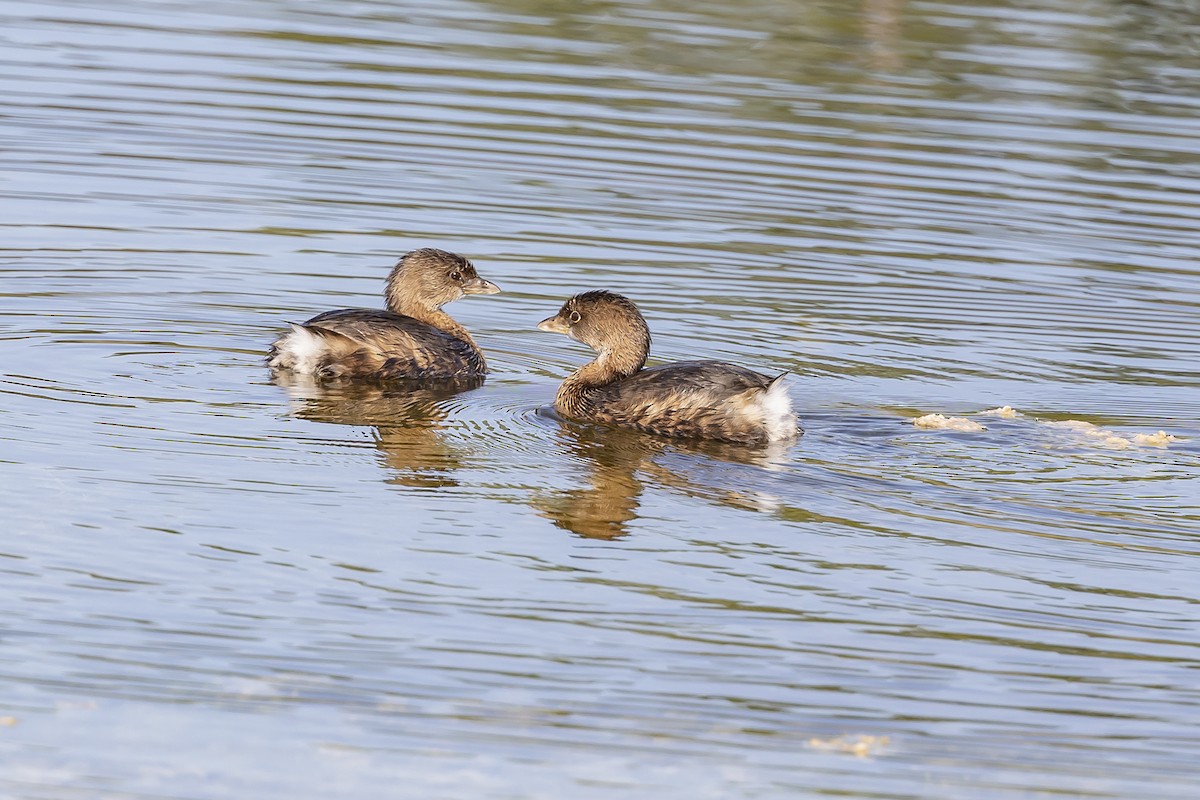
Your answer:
<point x="692" y="399"/>
<point x="413" y="339"/>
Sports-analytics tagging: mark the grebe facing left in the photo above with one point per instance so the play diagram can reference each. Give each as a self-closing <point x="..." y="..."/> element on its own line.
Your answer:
<point x="693" y="399"/>
<point x="412" y="339"/>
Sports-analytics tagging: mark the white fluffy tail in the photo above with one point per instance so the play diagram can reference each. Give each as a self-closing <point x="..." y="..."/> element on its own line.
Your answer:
<point x="776" y="406"/>
<point x="299" y="350"/>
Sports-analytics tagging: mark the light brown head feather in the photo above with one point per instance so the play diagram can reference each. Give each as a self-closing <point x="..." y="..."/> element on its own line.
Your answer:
<point x="611" y="325"/>
<point x="424" y="280"/>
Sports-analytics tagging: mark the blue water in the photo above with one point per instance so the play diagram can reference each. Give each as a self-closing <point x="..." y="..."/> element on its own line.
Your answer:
<point x="214" y="583"/>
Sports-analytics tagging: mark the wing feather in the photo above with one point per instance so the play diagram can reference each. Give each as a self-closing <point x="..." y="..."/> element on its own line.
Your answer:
<point x="367" y="343"/>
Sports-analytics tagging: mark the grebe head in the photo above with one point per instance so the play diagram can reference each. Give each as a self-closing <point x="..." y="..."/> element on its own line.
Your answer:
<point x="607" y="322"/>
<point x="429" y="278"/>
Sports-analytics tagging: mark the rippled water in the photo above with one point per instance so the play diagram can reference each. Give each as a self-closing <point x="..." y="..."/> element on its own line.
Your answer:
<point x="217" y="585"/>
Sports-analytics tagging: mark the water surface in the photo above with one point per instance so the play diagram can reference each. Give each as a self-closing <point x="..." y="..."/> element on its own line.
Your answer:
<point x="220" y="584"/>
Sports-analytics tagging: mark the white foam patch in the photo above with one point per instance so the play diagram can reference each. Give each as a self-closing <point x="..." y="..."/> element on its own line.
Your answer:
<point x="776" y="407"/>
<point x="1004" y="412"/>
<point x="1112" y="440"/>
<point x="1092" y="434"/>
<point x="1160" y="439"/>
<point x="940" y="422"/>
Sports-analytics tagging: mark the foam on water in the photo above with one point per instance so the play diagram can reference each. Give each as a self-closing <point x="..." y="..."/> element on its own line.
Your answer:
<point x="1086" y="432"/>
<point x="940" y="422"/>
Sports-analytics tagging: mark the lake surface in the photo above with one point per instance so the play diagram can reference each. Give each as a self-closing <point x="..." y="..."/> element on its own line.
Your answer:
<point x="217" y="584"/>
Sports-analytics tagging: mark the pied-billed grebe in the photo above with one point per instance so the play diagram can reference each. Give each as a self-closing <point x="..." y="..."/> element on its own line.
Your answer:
<point x="414" y="338"/>
<point x="696" y="399"/>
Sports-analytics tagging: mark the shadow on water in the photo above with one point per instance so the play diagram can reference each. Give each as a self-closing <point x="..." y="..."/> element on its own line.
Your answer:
<point x="613" y="467"/>
<point x="618" y="465"/>
<point x="406" y="419"/>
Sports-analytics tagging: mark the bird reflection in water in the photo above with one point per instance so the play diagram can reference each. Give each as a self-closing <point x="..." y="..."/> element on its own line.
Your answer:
<point x="406" y="418"/>
<point x="619" y="464"/>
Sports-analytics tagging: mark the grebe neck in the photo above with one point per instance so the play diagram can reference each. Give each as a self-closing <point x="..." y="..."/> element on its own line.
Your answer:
<point x="434" y="317"/>
<point x="610" y="366"/>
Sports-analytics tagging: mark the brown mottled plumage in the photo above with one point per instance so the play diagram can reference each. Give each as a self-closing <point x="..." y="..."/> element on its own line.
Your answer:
<point x="414" y="338"/>
<point x="693" y="399"/>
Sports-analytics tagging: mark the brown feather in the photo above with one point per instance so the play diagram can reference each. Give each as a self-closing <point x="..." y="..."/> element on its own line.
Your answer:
<point x="413" y="339"/>
<point x="692" y="399"/>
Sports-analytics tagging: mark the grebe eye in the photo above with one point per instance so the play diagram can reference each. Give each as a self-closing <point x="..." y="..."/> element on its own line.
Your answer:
<point x="574" y="317"/>
<point x="455" y="276"/>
